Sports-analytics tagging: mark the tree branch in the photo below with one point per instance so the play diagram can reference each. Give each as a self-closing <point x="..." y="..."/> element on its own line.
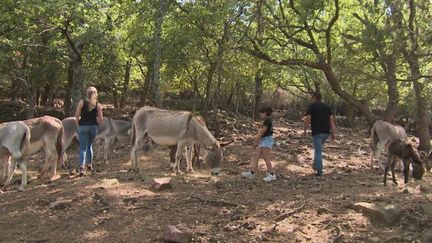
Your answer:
<point x="328" y="31"/>
<point x="287" y="62"/>
<point x="65" y="32"/>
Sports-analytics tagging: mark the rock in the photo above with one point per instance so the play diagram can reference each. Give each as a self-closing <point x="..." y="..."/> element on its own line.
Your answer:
<point x="130" y="200"/>
<point x="177" y="233"/>
<point x="424" y="188"/>
<point x="249" y="225"/>
<point x="100" y="200"/>
<point x="60" y="204"/>
<point x="220" y="185"/>
<point x="426" y="209"/>
<point x="374" y="239"/>
<point x="383" y="214"/>
<point x="427" y="236"/>
<point x="161" y="184"/>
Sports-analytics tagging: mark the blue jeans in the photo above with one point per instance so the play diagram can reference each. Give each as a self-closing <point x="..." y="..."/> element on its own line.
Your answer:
<point x="318" y="141"/>
<point x="86" y="136"/>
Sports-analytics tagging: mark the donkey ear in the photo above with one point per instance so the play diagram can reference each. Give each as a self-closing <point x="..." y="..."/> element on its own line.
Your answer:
<point x="223" y="144"/>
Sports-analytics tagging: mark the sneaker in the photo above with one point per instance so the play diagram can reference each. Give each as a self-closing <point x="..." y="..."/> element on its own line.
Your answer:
<point x="90" y="168"/>
<point x="248" y="174"/>
<point x="270" y="177"/>
<point x="81" y="171"/>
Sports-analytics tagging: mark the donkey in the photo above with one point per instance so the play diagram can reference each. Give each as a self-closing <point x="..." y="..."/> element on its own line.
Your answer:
<point x="409" y="155"/>
<point x="45" y="132"/>
<point x="381" y="133"/>
<point x="174" y="128"/>
<point x="109" y="130"/>
<point x="194" y="150"/>
<point x="14" y="140"/>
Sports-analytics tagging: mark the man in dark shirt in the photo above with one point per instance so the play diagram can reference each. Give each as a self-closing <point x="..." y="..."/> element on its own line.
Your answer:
<point x="321" y="119"/>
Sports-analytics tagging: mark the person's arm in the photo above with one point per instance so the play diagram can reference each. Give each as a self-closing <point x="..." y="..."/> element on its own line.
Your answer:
<point x="332" y="127"/>
<point x="307" y="120"/>
<point x="259" y="135"/>
<point x="78" y="110"/>
<point x="99" y="114"/>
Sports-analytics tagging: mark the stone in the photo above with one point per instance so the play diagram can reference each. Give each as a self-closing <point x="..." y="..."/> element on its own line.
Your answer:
<point x="426" y="209"/>
<point x="161" y="184"/>
<point x="100" y="200"/>
<point x="380" y="213"/>
<point x="177" y="233"/>
<point x="424" y="188"/>
<point x="60" y="204"/>
<point x="427" y="236"/>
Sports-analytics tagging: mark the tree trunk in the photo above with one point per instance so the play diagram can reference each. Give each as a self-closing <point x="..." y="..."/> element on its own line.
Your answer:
<point x="31" y="102"/>
<point x="422" y="125"/>
<point x="46" y="94"/>
<point x="210" y="73"/>
<point x="125" y="84"/>
<point x="78" y="81"/>
<point x="258" y="93"/>
<point x="68" y="100"/>
<point x="389" y="67"/>
<point x="162" y="6"/>
<point x="147" y="84"/>
<point x="116" y="99"/>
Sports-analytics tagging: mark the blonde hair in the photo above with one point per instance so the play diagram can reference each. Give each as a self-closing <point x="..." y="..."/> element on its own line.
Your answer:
<point x="91" y="97"/>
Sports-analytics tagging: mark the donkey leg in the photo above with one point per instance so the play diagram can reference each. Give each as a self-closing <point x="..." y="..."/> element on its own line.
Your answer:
<point x="107" y="143"/>
<point x="189" y="150"/>
<point x="406" y="163"/>
<point x="5" y="164"/>
<point x="48" y="154"/>
<point x="380" y="147"/>
<point x="173" y="150"/>
<point x="134" y="152"/>
<point x="178" y="157"/>
<point x="386" y="168"/>
<point x="100" y="144"/>
<point x="23" y="166"/>
<point x="11" y="166"/>
<point x="393" y="165"/>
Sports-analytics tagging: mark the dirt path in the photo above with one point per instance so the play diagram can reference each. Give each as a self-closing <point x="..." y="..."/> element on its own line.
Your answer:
<point x="115" y="205"/>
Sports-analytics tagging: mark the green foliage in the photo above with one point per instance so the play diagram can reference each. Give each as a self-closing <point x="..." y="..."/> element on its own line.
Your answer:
<point x="204" y="46"/>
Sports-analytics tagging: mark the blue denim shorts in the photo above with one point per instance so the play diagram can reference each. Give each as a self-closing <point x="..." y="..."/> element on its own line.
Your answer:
<point x="266" y="142"/>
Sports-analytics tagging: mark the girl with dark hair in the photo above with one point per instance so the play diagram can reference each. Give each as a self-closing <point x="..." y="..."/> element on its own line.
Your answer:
<point x="263" y="144"/>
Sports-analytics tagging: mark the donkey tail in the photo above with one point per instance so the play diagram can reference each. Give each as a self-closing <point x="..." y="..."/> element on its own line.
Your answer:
<point x="25" y="141"/>
<point x="374" y="138"/>
<point x="133" y="134"/>
<point x="60" y="147"/>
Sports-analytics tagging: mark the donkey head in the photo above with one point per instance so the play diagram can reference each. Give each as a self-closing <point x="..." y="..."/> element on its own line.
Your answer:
<point x="214" y="156"/>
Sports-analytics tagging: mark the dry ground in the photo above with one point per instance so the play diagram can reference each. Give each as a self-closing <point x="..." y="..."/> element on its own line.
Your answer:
<point x="115" y="205"/>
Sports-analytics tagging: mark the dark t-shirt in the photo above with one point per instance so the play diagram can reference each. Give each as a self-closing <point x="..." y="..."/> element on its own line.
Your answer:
<point x="269" y="124"/>
<point x="88" y="117"/>
<point x="320" y="117"/>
